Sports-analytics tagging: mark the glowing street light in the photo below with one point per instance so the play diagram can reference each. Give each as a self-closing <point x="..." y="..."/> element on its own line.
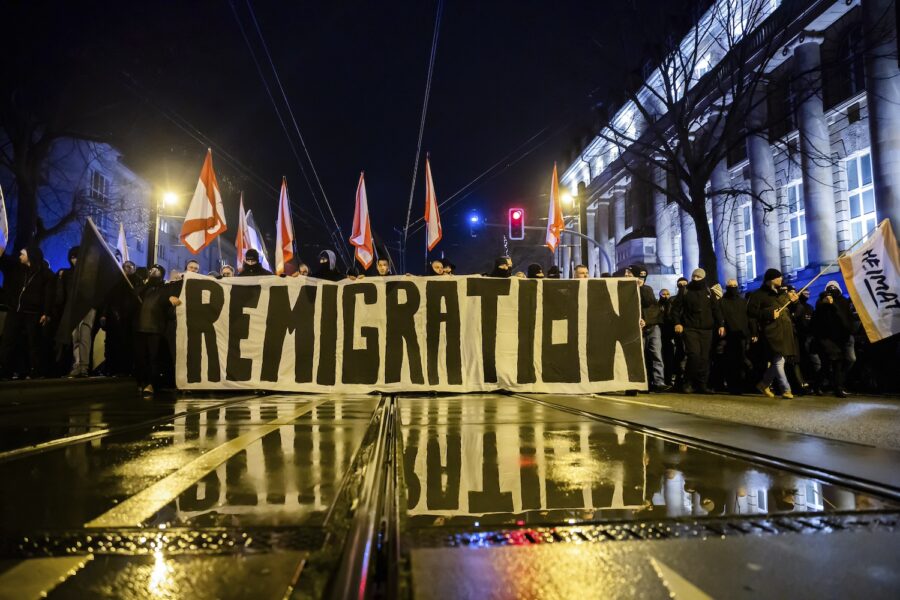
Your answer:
<point x="567" y="199"/>
<point x="170" y="198"/>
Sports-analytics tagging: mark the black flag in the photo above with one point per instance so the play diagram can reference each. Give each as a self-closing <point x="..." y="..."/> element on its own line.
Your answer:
<point x="97" y="273"/>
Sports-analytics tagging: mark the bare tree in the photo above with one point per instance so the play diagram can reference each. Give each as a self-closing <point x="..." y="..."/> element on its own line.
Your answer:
<point x="703" y="98"/>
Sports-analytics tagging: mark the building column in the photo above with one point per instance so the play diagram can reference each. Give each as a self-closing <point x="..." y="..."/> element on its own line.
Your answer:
<point x="602" y="231"/>
<point x="665" y="248"/>
<point x="766" y="238"/>
<point x="593" y="259"/>
<point x="815" y="154"/>
<point x="618" y="212"/>
<point x="882" y="91"/>
<point x="690" y="249"/>
<point x="723" y="224"/>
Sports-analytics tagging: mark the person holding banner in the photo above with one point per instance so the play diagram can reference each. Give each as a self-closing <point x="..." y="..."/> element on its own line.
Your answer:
<point x="766" y="307"/>
<point x="327" y="264"/>
<point x="252" y="268"/>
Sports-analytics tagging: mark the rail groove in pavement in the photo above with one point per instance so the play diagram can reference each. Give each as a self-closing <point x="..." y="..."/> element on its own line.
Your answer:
<point x="842" y="479"/>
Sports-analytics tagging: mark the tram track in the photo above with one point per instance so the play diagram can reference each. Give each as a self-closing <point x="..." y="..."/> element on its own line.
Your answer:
<point x="836" y="478"/>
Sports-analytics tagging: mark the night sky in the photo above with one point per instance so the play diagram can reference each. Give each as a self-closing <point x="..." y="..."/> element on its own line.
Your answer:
<point x="354" y="73"/>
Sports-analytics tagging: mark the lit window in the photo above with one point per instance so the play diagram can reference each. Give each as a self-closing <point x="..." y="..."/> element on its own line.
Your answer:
<point x="861" y="194"/>
<point x="749" y="249"/>
<point x="797" y="220"/>
<point x="99" y="186"/>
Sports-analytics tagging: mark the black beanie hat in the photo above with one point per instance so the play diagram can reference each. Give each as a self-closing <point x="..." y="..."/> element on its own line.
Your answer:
<point x="252" y="254"/>
<point x="772" y="274"/>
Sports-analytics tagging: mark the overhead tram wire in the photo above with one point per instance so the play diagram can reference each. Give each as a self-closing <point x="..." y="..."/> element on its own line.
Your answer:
<point x="194" y="133"/>
<point x="340" y="247"/>
<point x="334" y="233"/>
<point x="448" y="202"/>
<point x="412" y="187"/>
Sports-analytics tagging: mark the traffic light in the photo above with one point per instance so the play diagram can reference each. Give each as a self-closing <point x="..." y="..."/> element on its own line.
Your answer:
<point x="516" y="223"/>
<point x="474" y="222"/>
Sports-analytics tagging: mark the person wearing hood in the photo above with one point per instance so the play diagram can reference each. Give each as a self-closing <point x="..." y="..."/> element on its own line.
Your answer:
<point x="150" y="324"/>
<point x="326" y="269"/>
<point x="737" y="337"/>
<point x="252" y="268"/>
<point x="116" y="319"/>
<point x="535" y="271"/>
<point x="553" y="272"/>
<point x="677" y="340"/>
<point x="832" y="326"/>
<point x="651" y="320"/>
<point x="32" y="288"/>
<point x="767" y="308"/>
<point x="697" y="318"/>
<point x="501" y="268"/>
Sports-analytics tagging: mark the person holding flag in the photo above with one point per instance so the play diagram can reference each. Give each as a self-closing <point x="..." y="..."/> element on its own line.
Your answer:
<point x="555" y="222"/>
<point x="361" y="237"/>
<point x="284" y="232"/>
<point x="205" y="218"/>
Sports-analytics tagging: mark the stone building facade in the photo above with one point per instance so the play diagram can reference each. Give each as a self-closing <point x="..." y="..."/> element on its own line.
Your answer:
<point x="848" y="111"/>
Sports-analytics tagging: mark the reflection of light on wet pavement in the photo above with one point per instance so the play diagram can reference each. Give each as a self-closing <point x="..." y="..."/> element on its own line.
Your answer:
<point x="161" y="575"/>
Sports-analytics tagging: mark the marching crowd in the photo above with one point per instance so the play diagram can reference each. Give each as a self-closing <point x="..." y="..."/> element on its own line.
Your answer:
<point x="700" y="339"/>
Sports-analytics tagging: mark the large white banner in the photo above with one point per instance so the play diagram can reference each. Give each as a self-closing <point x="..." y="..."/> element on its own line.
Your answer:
<point x="872" y="274"/>
<point x="393" y="334"/>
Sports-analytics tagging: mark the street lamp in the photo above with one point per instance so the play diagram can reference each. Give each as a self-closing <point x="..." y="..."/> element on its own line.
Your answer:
<point x="567" y="199"/>
<point x="166" y="199"/>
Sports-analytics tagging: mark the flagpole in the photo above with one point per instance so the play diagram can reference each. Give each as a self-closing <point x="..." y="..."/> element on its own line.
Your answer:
<point x="824" y="269"/>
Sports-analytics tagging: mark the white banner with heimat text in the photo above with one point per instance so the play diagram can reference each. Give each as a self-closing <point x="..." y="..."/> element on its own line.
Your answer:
<point x="872" y="275"/>
<point x="393" y="334"/>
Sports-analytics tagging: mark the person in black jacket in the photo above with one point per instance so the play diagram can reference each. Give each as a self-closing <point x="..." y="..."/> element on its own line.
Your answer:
<point x="157" y="300"/>
<point x="767" y="307"/>
<point x="651" y="320"/>
<point x="252" y="268"/>
<point x="697" y="317"/>
<point x="737" y="337"/>
<point x="327" y="267"/>
<point x="33" y="288"/>
<point x="832" y="327"/>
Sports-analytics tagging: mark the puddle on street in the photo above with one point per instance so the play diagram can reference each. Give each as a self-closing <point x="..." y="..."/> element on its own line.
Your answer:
<point x="489" y="460"/>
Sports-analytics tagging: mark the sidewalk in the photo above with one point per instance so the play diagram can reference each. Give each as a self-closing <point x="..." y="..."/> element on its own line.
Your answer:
<point x="46" y="391"/>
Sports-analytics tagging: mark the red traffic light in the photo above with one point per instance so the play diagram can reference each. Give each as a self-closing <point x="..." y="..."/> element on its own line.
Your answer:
<point x="516" y="223"/>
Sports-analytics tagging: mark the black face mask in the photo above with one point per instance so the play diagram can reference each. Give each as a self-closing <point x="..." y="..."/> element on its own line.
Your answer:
<point x="154" y="278"/>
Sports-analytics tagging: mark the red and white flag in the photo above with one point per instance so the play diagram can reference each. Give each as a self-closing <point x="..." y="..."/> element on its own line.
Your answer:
<point x="433" y="231"/>
<point x="362" y="230"/>
<point x="555" y="222"/>
<point x="205" y="218"/>
<point x="242" y="241"/>
<point x="284" y="231"/>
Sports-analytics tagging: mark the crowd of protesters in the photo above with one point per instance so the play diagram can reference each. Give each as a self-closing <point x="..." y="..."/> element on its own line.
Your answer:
<point x="698" y="340"/>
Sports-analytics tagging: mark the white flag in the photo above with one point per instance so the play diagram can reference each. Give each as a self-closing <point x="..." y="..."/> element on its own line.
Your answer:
<point x="255" y="240"/>
<point x="872" y="275"/>
<point x="4" y="225"/>
<point x="122" y="245"/>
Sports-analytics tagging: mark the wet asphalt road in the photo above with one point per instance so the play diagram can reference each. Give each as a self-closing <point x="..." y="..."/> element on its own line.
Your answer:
<point x="262" y="497"/>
